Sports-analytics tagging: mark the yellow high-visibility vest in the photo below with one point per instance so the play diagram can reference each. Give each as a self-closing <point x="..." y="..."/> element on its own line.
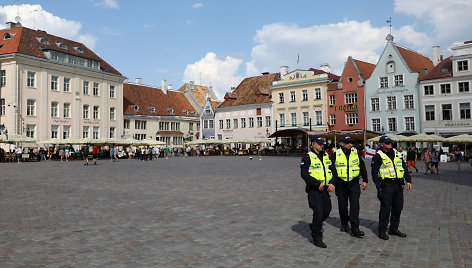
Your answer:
<point x="389" y="169"/>
<point x="321" y="173"/>
<point x="342" y="164"/>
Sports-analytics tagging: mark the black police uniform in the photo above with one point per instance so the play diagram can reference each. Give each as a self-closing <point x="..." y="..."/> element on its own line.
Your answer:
<point x="349" y="191"/>
<point x="390" y="194"/>
<point x="319" y="201"/>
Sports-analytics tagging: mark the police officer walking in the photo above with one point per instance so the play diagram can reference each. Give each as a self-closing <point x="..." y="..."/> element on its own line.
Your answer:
<point x="317" y="172"/>
<point x="349" y="167"/>
<point x="388" y="174"/>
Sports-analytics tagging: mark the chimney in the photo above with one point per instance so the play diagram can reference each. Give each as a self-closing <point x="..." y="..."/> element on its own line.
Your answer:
<point x="164" y="86"/>
<point x="139" y="80"/>
<point x="436" y="55"/>
<point x="11" y="25"/>
<point x="191" y="85"/>
<point x="441" y="58"/>
<point x="265" y="73"/>
<point x="325" y="68"/>
<point x="283" y="70"/>
<point x="169" y="87"/>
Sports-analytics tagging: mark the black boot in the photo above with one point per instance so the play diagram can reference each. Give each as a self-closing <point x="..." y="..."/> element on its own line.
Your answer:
<point x="357" y="233"/>
<point x="383" y="236"/>
<point x="396" y="232"/>
<point x="319" y="243"/>
<point x="343" y="227"/>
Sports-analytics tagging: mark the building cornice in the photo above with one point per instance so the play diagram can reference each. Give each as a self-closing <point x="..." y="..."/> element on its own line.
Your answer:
<point x="301" y="83"/>
<point x="244" y="107"/>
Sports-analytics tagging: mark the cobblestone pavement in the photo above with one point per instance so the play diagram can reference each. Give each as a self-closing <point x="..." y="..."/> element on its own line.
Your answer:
<point x="215" y="212"/>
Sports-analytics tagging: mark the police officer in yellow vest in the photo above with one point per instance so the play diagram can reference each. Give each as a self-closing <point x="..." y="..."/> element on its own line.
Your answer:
<point x="388" y="174"/>
<point x="349" y="167"/>
<point x="317" y="172"/>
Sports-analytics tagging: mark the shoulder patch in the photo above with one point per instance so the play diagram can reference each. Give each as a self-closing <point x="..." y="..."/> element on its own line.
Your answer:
<point x="302" y="163"/>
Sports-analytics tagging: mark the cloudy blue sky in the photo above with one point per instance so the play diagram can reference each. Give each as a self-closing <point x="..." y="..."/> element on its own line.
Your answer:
<point x="219" y="42"/>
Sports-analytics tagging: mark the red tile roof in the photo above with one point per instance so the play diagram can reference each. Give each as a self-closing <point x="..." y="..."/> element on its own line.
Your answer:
<point x="251" y="90"/>
<point x="442" y="70"/>
<point x="199" y="93"/>
<point x="416" y="61"/>
<point x="330" y="75"/>
<point x="25" y="42"/>
<point x="215" y="104"/>
<point x="365" y="68"/>
<point x="147" y="96"/>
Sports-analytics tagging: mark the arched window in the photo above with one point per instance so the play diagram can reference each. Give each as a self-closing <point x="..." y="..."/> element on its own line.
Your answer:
<point x="390" y="67"/>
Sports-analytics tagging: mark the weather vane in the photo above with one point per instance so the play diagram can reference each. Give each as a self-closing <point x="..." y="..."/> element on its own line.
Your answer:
<point x="389" y="21"/>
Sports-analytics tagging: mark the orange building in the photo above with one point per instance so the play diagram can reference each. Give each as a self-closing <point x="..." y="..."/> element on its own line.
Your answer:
<point x="346" y="98"/>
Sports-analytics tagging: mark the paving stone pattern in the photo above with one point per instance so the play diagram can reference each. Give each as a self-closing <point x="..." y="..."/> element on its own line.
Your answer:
<point x="215" y="212"/>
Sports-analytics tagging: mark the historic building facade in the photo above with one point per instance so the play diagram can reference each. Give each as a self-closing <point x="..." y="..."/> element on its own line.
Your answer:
<point x="392" y="91"/>
<point x="53" y="87"/>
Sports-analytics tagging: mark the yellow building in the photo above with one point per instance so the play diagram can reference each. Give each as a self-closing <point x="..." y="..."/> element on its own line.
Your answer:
<point x="300" y="103"/>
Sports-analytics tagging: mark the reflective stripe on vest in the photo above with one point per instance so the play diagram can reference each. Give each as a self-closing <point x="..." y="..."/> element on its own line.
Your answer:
<point x="391" y="169"/>
<point x="320" y="170"/>
<point x="342" y="164"/>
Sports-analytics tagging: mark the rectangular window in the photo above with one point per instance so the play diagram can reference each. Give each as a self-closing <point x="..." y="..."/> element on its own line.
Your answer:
<point x="292" y="96"/>
<point x="162" y="125"/>
<point x="446" y="111"/>
<point x="332" y="119"/>
<point x="376" y="124"/>
<point x="392" y="124"/>
<point x="54" y="132"/>
<point x="306" y="119"/>
<point x="228" y="123"/>
<point x="463" y="65"/>
<point x="30" y="131"/>
<point x="293" y="119"/>
<point x="267" y="121"/>
<point x="85" y="112"/>
<point x="305" y="95"/>
<point x="383" y="82"/>
<point x="463" y="87"/>
<point x="375" y="104"/>
<point x="243" y="122"/>
<point x="173" y="125"/>
<point x="112" y="92"/>
<point x="220" y="137"/>
<point x="259" y="121"/>
<point x="96" y="113"/>
<point x="350" y="98"/>
<point x="319" y="118"/>
<point x="31" y="79"/>
<point x="445" y="89"/>
<point x="54" y="109"/>
<point x="126" y="123"/>
<point x="211" y="124"/>
<point x="86" y="88"/>
<point x="66" y="84"/>
<point x="281" y="97"/>
<point x="409" y="123"/>
<point x="66" y="132"/>
<point x="112" y="132"/>
<point x="190" y="127"/>
<point x="96" y="133"/>
<point x="409" y="103"/>
<point x="31" y="108"/>
<point x="399" y="80"/>
<point x="85" y="132"/>
<point x="221" y="124"/>
<point x="429" y="112"/>
<point x="429" y="90"/>
<point x="95" y="89"/>
<point x="331" y="100"/>
<point x="251" y="122"/>
<point x="141" y="124"/>
<point x="235" y="123"/>
<point x="282" y="120"/>
<point x="464" y="110"/>
<point x="205" y="124"/>
<point x="3" y="78"/>
<point x="66" y="110"/>
<point x="54" y="82"/>
<point x="317" y="93"/>
<point x="112" y="113"/>
<point x="391" y="102"/>
<point x="2" y="106"/>
<point x="351" y="119"/>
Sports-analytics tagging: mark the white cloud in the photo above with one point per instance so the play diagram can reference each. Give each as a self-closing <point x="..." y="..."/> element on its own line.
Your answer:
<point x="197" y="5"/>
<point x="34" y="17"/>
<point x="107" y="4"/>
<point x="109" y="31"/>
<point x="221" y="73"/>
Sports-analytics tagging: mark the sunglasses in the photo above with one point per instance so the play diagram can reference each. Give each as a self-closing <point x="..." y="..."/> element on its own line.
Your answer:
<point x="388" y="142"/>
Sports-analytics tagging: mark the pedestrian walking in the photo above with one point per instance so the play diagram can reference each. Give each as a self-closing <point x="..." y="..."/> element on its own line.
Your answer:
<point x="427" y="161"/>
<point x="85" y="153"/>
<point x="412" y="157"/>
<point x="95" y="151"/>
<point x="388" y="174"/>
<point x="19" y="154"/>
<point x="67" y="153"/>
<point x="349" y="167"/>
<point x="434" y="161"/>
<point x="61" y="153"/>
<point x="403" y="153"/>
<point x="458" y="158"/>
<point x="317" y="172"/>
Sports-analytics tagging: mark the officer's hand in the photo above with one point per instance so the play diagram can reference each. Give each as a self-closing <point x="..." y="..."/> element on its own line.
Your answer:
<point x="330" y="187"/>
<point x="364" y="185"/>
<point x="408" y="186"/>
<point x="321" y="187"/>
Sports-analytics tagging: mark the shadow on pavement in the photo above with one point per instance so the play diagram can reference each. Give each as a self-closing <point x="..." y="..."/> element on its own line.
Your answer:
<point x="366" y="223"/>
<point x="303" y="228"/>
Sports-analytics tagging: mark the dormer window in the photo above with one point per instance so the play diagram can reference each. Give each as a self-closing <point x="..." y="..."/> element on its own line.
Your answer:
<point x="390" y="67"/>
<point x="185" y="112"/>
<point x="135" y="108"/>
<point x="194" y="113"/>
<point x="152" y="109"/>
<point x="43" y="40"/>
<point x="170" y="110"/>
<point x="7" y="36"/>
<point x="349" y="79"/>
<point x="2" y="45"/>
<point x="79" y="49"/>
<point x="61" y="45"/>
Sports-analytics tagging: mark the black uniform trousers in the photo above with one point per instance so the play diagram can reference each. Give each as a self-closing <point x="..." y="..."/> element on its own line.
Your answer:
<point x="391" y="205"/>
<point x="320" y="203"/>
<point x="349" y="191"/>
